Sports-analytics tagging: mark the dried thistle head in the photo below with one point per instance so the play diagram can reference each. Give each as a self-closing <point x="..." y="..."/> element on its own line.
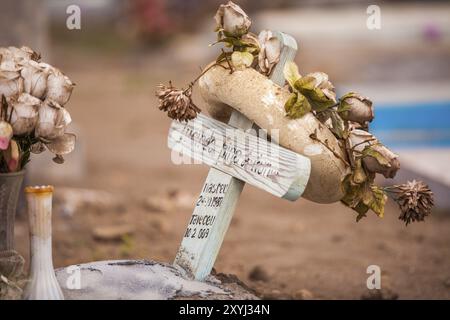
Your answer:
<point x="177" y="103"/>
<point x="415" y="200"/>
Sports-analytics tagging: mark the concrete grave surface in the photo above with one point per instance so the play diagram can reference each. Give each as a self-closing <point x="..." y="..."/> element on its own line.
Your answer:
<point x="144" y="280"/>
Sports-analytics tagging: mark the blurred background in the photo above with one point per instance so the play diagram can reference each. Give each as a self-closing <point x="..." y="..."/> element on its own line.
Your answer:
<point x="119" y="196"/>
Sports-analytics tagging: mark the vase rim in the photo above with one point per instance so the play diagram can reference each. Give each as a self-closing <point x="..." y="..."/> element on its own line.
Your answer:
<point x="12" y="174"/>
<point x="39" y="189"/>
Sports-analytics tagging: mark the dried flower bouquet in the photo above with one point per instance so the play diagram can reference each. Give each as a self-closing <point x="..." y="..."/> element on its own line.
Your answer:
<point x="347" y="117"/>
<point x="32" y="114"/>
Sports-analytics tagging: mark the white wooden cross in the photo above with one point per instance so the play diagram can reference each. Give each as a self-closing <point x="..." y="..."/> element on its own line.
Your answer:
<point x="235" y="161"/>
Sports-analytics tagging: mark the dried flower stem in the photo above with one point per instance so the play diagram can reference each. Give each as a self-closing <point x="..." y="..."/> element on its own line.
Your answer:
<point x="193" y="82"/>
<point x="360" y="143"/>
<point x="349" y="153"/>
<point x="228" y="62"/>
<point x="337" y="155"/>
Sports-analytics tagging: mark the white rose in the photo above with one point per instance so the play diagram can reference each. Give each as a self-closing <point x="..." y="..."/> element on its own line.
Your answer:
<point x="232" y="19"/>
<point x="53" y="120"/>
<point x="59" y="86"/>
<point x="35" y="78"/>
<point x="24" y="114"/>
<point x="11" y="84"/>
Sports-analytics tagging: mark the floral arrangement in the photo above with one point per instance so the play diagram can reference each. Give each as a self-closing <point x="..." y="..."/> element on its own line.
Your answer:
<point x="346" y="117"/>
<point x="32" y="114"/>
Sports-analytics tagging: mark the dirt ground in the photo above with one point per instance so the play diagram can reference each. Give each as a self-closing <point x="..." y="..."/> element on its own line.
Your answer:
<point x="305" y="250"/>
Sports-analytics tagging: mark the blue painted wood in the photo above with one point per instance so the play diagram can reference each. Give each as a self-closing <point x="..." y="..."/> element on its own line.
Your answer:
<point x="413" y="125"/>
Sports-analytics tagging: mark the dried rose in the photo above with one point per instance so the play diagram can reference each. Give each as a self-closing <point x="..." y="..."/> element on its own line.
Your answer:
<point x="24" y="114"/>
<point x="11" y="84"/>
<point x="35" y="78"/>
<point x="356" y="108"/>
<point x="6" y="133"/>
<point x="232" y="20"/>
<point x="376" y="157"/>
<point x="318" y="89"/>
<point x="59" y="86"/>
<point x="53" y="120"/>
<point x="270" y="50"/>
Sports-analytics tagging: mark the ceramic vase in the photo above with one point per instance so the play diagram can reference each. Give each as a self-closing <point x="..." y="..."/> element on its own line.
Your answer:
<point x="42" y="280"/>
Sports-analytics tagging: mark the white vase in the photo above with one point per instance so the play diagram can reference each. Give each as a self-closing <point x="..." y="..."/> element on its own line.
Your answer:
<point x="43" y="284"/>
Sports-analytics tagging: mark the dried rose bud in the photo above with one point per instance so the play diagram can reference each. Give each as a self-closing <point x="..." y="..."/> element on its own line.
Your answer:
<point x="35" y="78"/>
<point x="59" y="86"/>
<point x="270" y="51"/>
<point x="356" y="108"/>
<point x="12" y="156"/>
<point x="53" y="120"/>
<point x="6" y="133"/>
<point x="376" y="157"/>
<point x="24" y="114"/>
<point x="232" y="20"/>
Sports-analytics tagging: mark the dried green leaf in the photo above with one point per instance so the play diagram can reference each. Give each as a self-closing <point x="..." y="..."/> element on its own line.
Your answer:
<point x="250" y="43"/>
<point x="318" y="100"/>
<point x="290" y="102"/>
<point x="359" y="175"/>
<point x="305" y="83"/>
<point x="251" y="49"/>
<point x="364" y="196"/>
<point x="352" y="192"/>
<point x="241" y="60"/>
<point x="337" y="124"/>
<point x="319" y="91"/>
<point x="297" y="106"/>
<point x="362" y="209"/>
<point x="291" y="73"/>
<point x="343" y="106"/>
<point x="378" y="202"/>
<point x="369" y="151"/>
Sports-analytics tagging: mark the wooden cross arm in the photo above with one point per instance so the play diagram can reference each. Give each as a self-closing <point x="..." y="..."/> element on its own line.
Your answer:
<point x="244" y="156"/>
